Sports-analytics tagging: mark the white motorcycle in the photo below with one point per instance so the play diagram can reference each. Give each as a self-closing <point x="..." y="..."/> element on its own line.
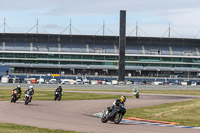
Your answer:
<point x="27" y="97"/>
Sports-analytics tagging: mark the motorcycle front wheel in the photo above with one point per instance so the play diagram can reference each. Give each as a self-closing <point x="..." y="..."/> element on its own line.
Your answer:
<point x="118" y="118"/>
<point x="26" y="102"/>
<point x="55" y="98"/>
<point x="104" y="119"/>
<point x="14" y="99"/>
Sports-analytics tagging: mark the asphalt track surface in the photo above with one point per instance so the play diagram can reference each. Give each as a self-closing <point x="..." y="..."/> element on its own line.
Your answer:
<point x="76" y="115"/>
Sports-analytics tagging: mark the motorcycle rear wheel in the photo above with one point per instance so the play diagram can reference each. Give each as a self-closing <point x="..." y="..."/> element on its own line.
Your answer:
<point x="14" y="99"/>
<point x="118" y="118"/>
<point x="137" y="95"/>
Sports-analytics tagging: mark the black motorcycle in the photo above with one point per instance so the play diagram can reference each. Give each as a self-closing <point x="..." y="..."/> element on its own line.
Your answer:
<point x="57" y="96"/>
<point x="114" y="114"/>
<point x="14" y="96"/>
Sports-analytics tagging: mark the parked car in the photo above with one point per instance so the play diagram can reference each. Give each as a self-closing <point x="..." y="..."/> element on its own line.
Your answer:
<point x="78" y="81"/>
<point x="65" y="81"/>
<point x="86" y="82"/>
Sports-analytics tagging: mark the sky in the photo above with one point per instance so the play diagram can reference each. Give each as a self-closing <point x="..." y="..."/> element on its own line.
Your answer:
<point x="153" y="17"/>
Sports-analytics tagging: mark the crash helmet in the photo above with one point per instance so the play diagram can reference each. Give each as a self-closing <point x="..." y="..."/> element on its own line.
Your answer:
<point x="30" y="87"/>
<point x="134" y="89"/>
<point x="123" y="99"/>
<point x="18" y="86"/>
<point x="59" y="85"/>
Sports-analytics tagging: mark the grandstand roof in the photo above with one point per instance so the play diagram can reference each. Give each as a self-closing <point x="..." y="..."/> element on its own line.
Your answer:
<point x="96" y="39"/>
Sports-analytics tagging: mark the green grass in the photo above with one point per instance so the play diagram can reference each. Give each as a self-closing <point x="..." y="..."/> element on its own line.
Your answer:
<point x="49" y="95"/>
<point x="186" y="113"/>
<point x="40" y="94"/>
<point x="13" y="128"/>
<point x="178" y="92"/>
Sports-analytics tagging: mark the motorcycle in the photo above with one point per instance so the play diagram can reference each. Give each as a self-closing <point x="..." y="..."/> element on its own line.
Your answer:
<point x="27" y="98"/>
<point x="136" y="94"/>
<point x="113" y="114"/>
<point x="14" y="96"/>
<point x="57" y="96"/>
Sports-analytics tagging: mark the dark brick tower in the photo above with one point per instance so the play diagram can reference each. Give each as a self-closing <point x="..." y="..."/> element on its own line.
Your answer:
<point x="122" y="45"/>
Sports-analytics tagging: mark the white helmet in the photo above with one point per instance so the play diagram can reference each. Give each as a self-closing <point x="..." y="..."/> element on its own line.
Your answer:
<point x="134" y="89"/>
<point x="18" y="86"/>
<point x="30" y="87"/>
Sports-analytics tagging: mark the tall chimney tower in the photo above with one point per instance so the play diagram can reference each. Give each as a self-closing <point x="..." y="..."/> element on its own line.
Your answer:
<point x="122" y="46"/>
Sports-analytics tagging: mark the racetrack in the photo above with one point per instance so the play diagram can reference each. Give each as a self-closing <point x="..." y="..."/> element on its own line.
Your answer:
<point x="76" y="115"/>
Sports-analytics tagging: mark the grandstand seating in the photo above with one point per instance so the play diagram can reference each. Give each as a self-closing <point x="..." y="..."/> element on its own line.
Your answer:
<point x="78" y="48"/>
<point x="1" y="45"/>
<point x="184" y="50"/>
<point x="101" y="48"/>
<point x="133" y="49"/>
<point x="17" y="46"/>
<point x="189" y="51"/>
<point x="90" y="54"/>
<point x="157" y="50"/>
<point x="45" y="47"/>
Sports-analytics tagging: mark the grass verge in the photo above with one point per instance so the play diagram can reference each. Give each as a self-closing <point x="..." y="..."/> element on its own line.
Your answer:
<point x="178" y="92"/>
<point x="186" y="113"/>
<point x="13" y="128"/>
<point x="49" y="95"/>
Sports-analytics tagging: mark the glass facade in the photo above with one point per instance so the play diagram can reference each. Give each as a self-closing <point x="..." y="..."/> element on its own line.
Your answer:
<point x="60" y="59"/>
<point x="90" y="54"/>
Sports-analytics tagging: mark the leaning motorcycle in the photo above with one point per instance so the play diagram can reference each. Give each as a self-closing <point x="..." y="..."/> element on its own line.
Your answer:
<point x="136" y="94"/>
<point x="14" y="96"/>
<point x="27" y="98"/>
<point x="57" y="96"/>
<point x="113" y="114"/>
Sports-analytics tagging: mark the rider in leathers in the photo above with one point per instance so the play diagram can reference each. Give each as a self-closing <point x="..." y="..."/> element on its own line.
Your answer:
<point x="31" y="91"/>
<point x="117" y="102"/>
<point x="59" y="89"/>
<point x="18" y="89"/>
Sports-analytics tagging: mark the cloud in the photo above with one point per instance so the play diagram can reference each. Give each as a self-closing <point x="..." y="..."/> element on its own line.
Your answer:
<point x="93" y="7"/>
<point x="153" y="16"/>
<point x="109" y="7"/>
<point x="53" y="26"/>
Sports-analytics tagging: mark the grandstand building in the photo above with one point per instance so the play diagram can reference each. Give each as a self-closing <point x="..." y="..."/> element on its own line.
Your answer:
<point x="87" y="54"/>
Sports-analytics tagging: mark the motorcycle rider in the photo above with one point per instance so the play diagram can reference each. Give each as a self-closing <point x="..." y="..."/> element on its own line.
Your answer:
<point x="59" y="89"/>
<point x="135" y="90"/>
<point x="31" y="91"/>
<point x="19" y="91"/>
<point x="117" y="102"/>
